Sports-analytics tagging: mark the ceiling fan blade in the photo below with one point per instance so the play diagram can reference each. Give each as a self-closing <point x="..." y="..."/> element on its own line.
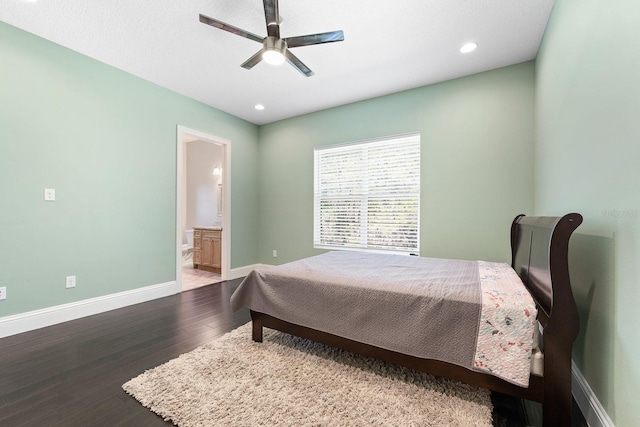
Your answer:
<point x="297" y="64"/>
<point x="330" y="37"/>
<point x="251" y="62"/>
<point x="272" y="17"/>
<point x="230" y="28"/>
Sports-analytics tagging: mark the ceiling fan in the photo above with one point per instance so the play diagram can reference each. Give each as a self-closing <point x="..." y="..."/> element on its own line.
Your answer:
<point x="275" y="49"/>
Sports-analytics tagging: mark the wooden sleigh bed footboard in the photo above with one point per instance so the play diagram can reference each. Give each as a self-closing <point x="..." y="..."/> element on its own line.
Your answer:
<point x="540" y="257"/>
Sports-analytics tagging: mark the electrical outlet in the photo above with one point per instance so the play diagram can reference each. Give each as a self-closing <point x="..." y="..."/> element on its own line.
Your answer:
<point x="50" y="194"/>
<point x="275" y="253"/>
<point x="71" y="281"/>
<point x="3" y="292"/>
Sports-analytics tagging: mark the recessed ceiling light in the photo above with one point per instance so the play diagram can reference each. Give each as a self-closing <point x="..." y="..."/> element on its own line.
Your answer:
<point x="259" y="107"/>
<point x="469" y="47"/>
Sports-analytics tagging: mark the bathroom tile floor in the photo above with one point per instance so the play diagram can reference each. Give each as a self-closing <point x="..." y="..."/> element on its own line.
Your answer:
<point x="193" y="278"/>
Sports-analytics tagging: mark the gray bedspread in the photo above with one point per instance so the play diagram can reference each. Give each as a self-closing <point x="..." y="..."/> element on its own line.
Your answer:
<point x="425" y="307"/>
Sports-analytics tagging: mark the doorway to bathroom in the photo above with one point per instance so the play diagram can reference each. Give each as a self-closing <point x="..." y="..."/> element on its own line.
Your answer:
<point x="202" y="208"/>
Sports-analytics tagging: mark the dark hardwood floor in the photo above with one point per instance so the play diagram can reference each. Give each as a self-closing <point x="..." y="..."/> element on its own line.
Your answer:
<point x="71" y="374"/>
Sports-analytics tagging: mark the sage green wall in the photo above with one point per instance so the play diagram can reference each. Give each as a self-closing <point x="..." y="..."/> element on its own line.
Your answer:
<point x="586" y="160"/>
<point x="476" y="167"/>
<point x="106" y="141"/>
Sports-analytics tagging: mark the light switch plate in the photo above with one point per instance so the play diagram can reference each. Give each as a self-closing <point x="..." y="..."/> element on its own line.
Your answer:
<point x="49" y="194"/>
<point x="3" y="292"/>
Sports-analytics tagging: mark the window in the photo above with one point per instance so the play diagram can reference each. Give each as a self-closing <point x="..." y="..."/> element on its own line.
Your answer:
<point x="367" y="195"/>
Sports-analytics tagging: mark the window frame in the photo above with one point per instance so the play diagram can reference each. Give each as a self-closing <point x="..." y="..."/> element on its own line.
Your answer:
<point x="364" y="197"/>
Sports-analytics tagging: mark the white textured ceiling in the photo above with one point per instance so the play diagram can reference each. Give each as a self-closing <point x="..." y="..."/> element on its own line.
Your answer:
<point x="389" y="45"/>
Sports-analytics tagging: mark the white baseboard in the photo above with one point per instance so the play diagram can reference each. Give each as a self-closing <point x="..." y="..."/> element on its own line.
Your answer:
<point x="589" y="405"/>
<point x="236" y="273"/>
<point x="23" y="322"/>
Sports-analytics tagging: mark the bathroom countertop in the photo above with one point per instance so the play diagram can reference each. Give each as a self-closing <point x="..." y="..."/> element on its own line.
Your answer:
<point x="215" y="228"/>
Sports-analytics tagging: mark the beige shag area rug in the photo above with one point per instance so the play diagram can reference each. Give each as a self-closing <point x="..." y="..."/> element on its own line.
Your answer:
<point x="288" y="381"/>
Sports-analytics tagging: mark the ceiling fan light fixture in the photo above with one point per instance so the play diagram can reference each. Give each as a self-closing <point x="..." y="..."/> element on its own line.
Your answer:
<point x="273" y="57"/>
<point x="274" y="50"/>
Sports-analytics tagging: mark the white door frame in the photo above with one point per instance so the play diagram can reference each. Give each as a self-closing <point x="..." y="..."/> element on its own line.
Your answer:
<point x="185" y="135"/>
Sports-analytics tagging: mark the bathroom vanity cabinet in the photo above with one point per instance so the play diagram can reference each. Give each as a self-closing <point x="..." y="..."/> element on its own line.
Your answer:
<point x="207" y="248"/>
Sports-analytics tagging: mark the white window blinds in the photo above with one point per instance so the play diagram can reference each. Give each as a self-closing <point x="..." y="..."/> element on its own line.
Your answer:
<point x="367" y="195"/>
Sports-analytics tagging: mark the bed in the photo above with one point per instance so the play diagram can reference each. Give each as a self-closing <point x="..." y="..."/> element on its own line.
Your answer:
<point x="364" y="307"/>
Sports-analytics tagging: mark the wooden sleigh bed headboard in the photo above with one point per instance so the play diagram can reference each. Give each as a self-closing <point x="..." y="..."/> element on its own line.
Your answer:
<point x="539" y="251"/>
<point x="540" y="257"/>
<point x="539" y="248"/>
